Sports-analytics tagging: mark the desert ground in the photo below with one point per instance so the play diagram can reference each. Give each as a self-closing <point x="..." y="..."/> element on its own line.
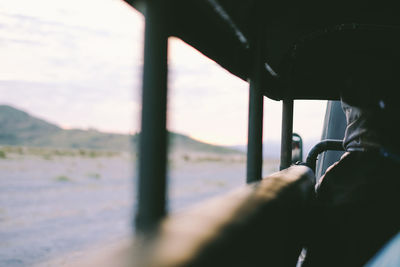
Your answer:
<point x="55" y="205"/>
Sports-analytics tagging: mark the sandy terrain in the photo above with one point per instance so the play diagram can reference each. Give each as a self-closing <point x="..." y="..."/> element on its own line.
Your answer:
<point x="56" y="206"/>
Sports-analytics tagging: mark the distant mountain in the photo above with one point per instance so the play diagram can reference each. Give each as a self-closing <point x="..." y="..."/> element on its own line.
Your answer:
<point x="272" y="149"/>
<point x="20" y="128"/>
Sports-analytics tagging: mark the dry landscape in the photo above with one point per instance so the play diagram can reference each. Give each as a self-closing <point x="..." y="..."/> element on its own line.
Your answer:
<point x="57" y="204"/>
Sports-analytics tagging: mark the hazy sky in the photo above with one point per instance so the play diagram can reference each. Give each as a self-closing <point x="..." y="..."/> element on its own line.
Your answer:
<point x="78" y="63"/>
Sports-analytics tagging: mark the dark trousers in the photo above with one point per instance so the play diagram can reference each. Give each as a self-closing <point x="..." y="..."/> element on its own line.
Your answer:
<point x="356" y="210"/>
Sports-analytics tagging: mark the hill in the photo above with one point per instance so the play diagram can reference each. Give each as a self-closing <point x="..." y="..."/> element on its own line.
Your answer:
<point x="19" y="128"/>
<point x="272" y="148"/>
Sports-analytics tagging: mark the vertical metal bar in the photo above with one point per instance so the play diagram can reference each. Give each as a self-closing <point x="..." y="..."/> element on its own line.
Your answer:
<point x="256" y="112"/>
<point x="287" y="132"/>
<point x="153" y="138"/>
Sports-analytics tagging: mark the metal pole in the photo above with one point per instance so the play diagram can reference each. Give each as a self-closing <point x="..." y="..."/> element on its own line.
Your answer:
<point x="256" y="110"/>
<point x="287" y="132"/>
<point x="153" y="138"/>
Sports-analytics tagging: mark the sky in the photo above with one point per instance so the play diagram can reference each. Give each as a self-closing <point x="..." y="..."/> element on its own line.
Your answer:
<point x="78" y="63"/>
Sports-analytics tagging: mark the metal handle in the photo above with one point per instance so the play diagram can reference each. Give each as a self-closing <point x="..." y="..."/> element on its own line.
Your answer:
<point x="324" y="145"/>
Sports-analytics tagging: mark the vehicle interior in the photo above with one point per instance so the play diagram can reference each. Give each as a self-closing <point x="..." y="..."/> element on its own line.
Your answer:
<point x="287" y="51"/>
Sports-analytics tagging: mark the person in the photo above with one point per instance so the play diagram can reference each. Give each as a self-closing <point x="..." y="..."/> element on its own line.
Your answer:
<point x="357" y="202"/>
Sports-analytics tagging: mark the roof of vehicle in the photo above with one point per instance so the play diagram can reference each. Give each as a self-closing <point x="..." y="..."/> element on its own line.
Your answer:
<point x="307" y="44"/>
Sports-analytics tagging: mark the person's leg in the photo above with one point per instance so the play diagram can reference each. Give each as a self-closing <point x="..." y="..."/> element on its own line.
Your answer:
<point x="356" y="211"/>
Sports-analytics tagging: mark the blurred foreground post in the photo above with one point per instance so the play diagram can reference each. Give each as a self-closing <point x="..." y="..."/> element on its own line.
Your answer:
<point x="153" y="138"/>
<point x="256" y="112"/>
<point x="287" y="134"/>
